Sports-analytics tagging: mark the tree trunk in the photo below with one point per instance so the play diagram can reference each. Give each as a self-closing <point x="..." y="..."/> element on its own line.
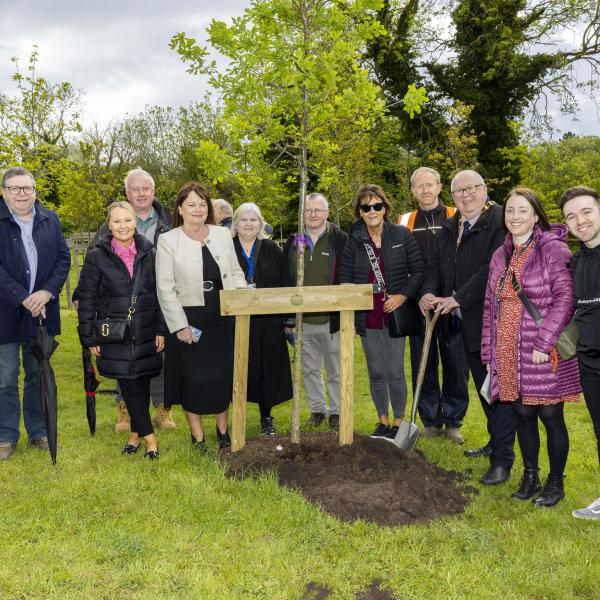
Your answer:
<point x="297" y="375"/>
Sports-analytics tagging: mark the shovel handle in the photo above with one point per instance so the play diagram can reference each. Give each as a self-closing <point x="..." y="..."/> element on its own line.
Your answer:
<point x="429" y="327"/>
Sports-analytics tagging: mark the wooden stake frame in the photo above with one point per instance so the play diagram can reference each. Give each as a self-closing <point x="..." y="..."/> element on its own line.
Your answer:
<point x="243" y="303"/>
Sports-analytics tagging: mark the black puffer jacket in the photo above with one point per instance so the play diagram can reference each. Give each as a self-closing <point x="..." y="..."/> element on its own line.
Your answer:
<point x="105" y="290"/>
<point x="402" y="260"/>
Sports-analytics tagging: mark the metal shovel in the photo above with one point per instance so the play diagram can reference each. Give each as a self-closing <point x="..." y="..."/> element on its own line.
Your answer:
<point x="408" y="434"/>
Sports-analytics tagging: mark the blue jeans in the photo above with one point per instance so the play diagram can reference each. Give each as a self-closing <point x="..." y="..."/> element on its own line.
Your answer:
<point x="447" y="406"/>
<point x="10" y="406"/>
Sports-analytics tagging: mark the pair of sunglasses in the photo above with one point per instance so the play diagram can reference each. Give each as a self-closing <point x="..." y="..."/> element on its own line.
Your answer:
<point x="367" y="207"/>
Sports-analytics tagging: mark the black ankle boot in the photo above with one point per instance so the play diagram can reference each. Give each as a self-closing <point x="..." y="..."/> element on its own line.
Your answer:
<point x="552" y="492"/>
<point x="529" y="486"/>
<point x="267" y="426"/>
<point x="224" y="439"/>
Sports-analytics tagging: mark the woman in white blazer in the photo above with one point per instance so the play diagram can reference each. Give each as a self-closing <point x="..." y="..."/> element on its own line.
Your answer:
<point x="194" y="261"/>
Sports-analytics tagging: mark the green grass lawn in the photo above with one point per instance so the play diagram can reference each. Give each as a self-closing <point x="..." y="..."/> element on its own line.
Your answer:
<point x="101" y="525"/>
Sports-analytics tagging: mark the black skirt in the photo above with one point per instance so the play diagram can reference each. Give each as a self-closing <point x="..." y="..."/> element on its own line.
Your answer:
<point x="199" y="376"/>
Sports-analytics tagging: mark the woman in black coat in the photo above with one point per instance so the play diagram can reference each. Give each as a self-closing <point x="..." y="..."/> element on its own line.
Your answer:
<point x="396" y="255"/>
<point x="263" y="263"/>
<point x="118" y="279"/>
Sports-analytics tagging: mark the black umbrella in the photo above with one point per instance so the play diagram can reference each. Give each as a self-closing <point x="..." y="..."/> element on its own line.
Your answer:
<point x="43" y="347"/>
<point x="90" y="384"/>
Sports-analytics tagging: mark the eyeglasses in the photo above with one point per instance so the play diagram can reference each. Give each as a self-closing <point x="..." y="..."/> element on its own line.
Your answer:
<point x="314" y="211"/>
<point x="367" y="207"/>
<point x="470" y="189"/>
<point x="137" y="190"/>
<point x="16" y="189"/>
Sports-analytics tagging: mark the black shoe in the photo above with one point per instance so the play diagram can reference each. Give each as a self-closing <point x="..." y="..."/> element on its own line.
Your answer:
<point x="266" y="426"/>
<point x="130" y="449"/>
<point x="495" y="475"/>
<point x="380" y="431"/>
<point x="552" y="492"/>
<point x="477" y="452"/>
<point x="151" y="454"/>
<point x="316" y="419"/>
<point x="334" y="421"/>
<point x="224" y="439"/>
<point x="201" y="445"/>
<point x="529" y="486"/>
<point x="391" y="433"/>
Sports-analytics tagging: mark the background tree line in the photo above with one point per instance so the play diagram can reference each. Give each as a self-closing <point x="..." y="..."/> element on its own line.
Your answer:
<point x="328" y="95"/>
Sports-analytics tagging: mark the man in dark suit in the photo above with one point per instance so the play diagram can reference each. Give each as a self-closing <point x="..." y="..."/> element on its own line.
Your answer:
<point x="455" y="286"/>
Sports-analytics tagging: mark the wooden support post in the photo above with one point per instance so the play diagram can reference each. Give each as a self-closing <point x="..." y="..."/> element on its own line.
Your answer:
<point x="240" y="382"/>
<point x="346" y="377"/>
<point x="275" y="301"/>
<point x="76" y="262"/>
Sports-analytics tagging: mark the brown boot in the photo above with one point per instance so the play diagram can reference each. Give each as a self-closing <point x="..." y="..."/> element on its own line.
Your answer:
<point x="163" y="418"/>
<point x="123" y="420"/>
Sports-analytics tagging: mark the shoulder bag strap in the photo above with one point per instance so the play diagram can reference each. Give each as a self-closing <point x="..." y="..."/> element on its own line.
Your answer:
<point x="136" y="290"/>
<point x="375" y="266"/>
<point x="531" y="309"/>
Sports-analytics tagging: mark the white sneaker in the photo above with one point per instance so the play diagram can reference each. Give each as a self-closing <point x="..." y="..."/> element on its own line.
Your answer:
<point x="591" y="512"/>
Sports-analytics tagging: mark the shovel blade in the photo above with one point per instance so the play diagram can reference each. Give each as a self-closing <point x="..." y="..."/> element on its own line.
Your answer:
<point x="407" y="436"/>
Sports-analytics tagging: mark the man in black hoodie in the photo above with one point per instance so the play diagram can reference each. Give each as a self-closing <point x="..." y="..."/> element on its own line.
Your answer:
<point x="581" y="209"/>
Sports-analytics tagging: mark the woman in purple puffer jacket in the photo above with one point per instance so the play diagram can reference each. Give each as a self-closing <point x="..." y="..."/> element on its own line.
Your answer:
<point x="525" y="368"/>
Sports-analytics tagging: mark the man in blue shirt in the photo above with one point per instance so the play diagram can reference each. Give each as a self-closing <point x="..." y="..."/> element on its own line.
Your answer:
<point x="34" y="264"/>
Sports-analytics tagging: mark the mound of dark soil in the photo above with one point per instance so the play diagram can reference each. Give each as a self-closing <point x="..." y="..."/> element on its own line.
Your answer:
<point x="369" y="479"/>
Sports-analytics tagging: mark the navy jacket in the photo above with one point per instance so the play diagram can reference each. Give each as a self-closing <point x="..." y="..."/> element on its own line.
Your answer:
<point x="463" y="273"/>
<point x="54" y="261"/>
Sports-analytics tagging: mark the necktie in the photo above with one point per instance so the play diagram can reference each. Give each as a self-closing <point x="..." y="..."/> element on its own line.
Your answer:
<point x="465" y="231"/>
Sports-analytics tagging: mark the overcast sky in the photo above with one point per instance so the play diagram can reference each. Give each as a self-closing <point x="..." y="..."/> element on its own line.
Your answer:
<point x="117" y="52"/>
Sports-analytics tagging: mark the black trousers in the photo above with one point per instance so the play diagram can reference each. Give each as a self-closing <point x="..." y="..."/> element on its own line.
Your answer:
<point x="590" y="383"/>
<point x="136" y="393"/>
<point x="501" y="423"/>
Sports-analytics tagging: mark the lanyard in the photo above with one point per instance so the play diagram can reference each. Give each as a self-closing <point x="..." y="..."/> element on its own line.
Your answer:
<point x="249" y="261"/>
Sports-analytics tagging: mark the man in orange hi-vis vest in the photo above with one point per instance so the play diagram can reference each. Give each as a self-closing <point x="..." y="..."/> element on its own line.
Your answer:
<point x="441" y="410"/>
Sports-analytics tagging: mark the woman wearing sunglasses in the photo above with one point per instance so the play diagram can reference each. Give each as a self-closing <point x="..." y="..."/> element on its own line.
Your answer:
<point x="377" y="245"/>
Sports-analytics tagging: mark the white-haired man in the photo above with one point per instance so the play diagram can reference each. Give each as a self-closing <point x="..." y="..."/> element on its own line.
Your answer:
<point x="223" y="212"/>
<point x="455" y="286"/>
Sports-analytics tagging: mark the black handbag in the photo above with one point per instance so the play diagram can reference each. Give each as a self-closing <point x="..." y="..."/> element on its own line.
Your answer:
<point x="113" y="331"/>
<point x="406" y="319"/>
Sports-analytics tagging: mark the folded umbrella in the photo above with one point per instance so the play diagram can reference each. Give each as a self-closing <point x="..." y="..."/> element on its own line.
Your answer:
<point x="43" y="347"/>
<point x="90" y="384"/>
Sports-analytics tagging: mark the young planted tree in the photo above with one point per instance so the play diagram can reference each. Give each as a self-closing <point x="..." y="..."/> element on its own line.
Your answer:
<point x="293" y="71"/>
